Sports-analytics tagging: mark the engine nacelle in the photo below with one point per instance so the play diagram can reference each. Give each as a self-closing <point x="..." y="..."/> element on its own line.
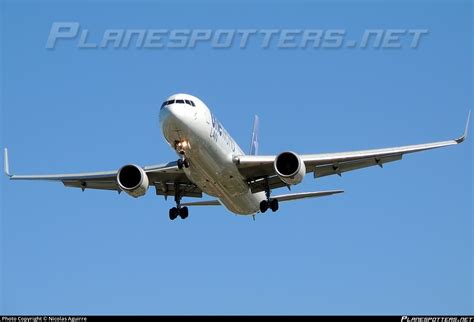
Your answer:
<point x="133" y="180"/>
<point x="290" y="168"/>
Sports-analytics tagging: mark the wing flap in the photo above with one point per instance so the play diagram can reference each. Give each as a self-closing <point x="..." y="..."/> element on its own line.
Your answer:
<point x="185" y="189"/>
<point x="260" y="184"/>
<point x="100" y="185"/>
<point x="338" y="168"/>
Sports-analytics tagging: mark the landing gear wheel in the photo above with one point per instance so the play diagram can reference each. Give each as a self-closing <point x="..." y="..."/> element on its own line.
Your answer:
<point x="180" y="163"/>
<point x="183" y="212"/>
<point x="183" y="163"/>
<point x="173" y="213"/>
<point x="263" y="206"/>
<point x="274" y="205"/>
<point x="186" y="163"/>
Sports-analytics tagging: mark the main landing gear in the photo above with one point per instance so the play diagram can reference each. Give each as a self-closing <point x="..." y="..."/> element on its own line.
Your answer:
<point x="269" y="203"/>
<point x="178" y="210"/>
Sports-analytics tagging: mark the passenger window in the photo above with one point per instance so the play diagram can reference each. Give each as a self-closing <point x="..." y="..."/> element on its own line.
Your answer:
<point x="180" y="101"/>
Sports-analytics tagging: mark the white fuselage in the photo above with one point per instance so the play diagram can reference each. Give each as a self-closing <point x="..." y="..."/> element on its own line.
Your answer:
<point x="209" y="149"/>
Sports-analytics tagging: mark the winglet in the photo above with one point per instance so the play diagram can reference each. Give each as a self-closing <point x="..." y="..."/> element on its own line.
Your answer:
<point x="466" y="130"/>
<point x="6" y="166"/>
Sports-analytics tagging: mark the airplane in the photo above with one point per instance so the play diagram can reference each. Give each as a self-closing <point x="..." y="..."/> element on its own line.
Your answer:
<point x="211" y="162"/>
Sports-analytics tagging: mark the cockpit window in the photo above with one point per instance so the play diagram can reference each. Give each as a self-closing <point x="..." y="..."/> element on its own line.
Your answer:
<point x="167" y="103"/>
<point x="189" y="102"/>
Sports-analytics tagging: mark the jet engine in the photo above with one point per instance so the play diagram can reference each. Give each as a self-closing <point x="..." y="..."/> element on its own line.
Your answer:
<point x="290" y="168"/>
<point x="133" y="180"/>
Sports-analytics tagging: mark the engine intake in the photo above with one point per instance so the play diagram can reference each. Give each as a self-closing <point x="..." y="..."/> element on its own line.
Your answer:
<point x="133" y="180"/>
<point x="290" y="168"/>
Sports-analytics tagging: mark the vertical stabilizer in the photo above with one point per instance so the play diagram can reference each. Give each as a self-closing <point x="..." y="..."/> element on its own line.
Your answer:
<point x="254" y="142"/>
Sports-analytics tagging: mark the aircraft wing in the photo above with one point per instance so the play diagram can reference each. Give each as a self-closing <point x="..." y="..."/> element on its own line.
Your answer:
<point x="165" y="178"/>
<point x="259" y="169"/>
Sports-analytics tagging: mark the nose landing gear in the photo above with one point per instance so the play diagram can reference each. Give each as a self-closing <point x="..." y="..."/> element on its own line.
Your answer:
<point x="183" y="163"/>
<point x="181" y="147"/>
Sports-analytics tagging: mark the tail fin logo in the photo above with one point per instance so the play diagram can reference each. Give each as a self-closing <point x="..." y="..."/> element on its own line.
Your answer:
<point x="254" y="142"/>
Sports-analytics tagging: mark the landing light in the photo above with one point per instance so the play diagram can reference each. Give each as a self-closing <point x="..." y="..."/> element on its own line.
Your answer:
<point x="182" y="145"/>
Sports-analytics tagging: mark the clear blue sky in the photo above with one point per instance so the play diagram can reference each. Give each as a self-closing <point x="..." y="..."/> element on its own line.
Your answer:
<point x="399" y="241"/>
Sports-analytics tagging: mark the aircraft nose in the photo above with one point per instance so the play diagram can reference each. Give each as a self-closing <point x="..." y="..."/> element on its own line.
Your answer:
<point x="167" y="112"/>
<point x="171" y="116"/>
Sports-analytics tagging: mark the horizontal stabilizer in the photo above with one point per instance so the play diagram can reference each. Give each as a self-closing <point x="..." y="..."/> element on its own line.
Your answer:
<point x="202" y="203"/>
<point x="287" y="197"/>
<point x="304" y="195"/>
